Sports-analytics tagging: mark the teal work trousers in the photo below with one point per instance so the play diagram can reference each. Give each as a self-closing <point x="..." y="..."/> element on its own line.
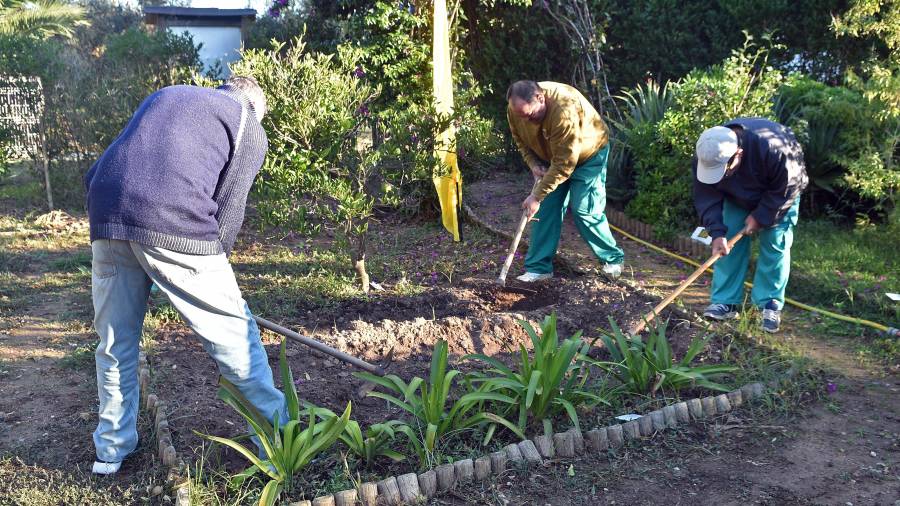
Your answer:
<point x="773" y="267"/>
<point x="586" y="191"/>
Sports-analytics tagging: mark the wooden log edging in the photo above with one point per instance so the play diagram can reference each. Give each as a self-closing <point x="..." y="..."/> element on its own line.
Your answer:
<point x="165" y="450"/>
<point x="644" y="231"/>
<point x="410" y="489"/>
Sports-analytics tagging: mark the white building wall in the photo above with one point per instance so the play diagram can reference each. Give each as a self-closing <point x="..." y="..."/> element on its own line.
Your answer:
<point x="218" y="44"/>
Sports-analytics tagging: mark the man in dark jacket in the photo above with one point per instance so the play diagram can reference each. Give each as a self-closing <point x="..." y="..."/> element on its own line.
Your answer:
<point x="166" y="201"/>
<point x="749" y="174"/>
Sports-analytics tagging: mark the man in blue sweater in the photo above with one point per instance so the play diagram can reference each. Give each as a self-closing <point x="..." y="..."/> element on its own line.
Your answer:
<point x="749" y="174"/>
<point x="166" y="201"/>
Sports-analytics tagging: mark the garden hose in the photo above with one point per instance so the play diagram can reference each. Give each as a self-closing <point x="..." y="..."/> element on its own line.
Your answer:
<point x="887" y="331"/>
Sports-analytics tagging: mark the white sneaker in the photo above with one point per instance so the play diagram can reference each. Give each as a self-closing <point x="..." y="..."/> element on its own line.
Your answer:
<point x="612" y="271"/>
<point x="105" y="468"/>
<point x="531" y="277"/>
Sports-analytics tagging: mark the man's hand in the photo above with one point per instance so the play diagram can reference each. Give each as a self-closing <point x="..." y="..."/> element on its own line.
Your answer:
<point x="538" y="171"/>
<point x="720" y="247"/>
<point x="751" y="225"/>
<point x="531" y="206"/>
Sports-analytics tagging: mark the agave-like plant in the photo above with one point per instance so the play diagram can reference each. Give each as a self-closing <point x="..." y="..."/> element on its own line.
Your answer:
<point x="646" y="103"/>
<point x="644" y="368"/>
<point x="435" y="413"/>
<point x="643" y="106"/>
<point x="288" y="447"/>
<point x="369" y="445"/>
<point x="552" y="380"/>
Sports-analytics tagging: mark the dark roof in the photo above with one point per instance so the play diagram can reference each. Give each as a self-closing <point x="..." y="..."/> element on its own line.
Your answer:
<point x="198" y="12"/>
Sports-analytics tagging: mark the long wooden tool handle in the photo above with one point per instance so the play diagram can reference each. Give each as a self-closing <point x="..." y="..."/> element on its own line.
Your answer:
<point x="324" y="348"/>
<point x="512" y="248"/>
<point x="639" y="326"/>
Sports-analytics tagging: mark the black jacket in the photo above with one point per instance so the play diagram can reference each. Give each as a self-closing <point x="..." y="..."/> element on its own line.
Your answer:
<point x="768" y="181"/>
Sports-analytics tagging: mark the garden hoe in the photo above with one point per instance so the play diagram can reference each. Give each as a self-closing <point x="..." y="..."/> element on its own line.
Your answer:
<point x="639" y="326"/>
<point x="501" y="280"/>
<point x="378" y="370"/>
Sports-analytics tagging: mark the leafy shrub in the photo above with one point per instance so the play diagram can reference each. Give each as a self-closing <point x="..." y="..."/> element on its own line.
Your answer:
<point x="316" y="174"/>
<point x="743" y="85"/>
<point x="645" y="368"/>
<point x="289" y="447"/>
<point x="848" y="144"/>
<point x="551" y="381"/>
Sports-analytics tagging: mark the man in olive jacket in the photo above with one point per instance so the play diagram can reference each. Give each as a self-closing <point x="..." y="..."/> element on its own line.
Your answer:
<point x="565" y="143"/>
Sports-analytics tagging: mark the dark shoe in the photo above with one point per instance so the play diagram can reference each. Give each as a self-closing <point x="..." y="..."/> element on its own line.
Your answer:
<point x="771" y="317"/>
<point x="720" y="312"/>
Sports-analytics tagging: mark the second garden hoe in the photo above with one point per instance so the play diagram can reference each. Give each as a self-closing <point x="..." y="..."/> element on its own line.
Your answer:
<point x="639" y="326"/>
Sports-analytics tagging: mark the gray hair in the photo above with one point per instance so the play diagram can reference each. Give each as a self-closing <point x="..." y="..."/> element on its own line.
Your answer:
<point x="524" y="90"/>
<point x="250" y="87"/>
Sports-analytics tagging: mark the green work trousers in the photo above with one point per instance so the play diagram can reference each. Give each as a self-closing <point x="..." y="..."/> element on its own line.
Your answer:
<point x="586" y="191"/>
<point x="773" y="267"/>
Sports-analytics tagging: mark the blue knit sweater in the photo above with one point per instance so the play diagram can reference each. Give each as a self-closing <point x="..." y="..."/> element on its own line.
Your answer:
<point x="178" y="175"/>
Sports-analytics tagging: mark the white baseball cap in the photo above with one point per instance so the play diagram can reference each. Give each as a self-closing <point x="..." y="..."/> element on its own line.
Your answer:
<point x="715" y="147"/>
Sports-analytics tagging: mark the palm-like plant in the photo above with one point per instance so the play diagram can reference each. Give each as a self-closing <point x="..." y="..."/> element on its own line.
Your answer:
<point x="42" y="18"/>
<point x="644" y="368"/>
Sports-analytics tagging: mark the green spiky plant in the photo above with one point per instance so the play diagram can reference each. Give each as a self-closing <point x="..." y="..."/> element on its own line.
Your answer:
<point x="645" y="368"/>
<point x="552" y="380"/>
<point x="288" y="449"/>
<point x="374" y="443"/>
<point x="369" y="445"/>
<point x="434" y="411"/>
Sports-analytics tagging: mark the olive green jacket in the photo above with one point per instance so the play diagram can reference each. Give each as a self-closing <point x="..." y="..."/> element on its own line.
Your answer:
<point x="571" y="132"/>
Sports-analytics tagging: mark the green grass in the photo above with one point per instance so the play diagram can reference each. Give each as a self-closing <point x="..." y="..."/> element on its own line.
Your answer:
<point x="37" y="486"/>
<point x="848" y="270"/>
<point x="81" y="358"/>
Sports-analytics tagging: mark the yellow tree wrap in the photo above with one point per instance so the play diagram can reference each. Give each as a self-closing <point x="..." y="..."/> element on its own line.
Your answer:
<point x="448" y="180"/>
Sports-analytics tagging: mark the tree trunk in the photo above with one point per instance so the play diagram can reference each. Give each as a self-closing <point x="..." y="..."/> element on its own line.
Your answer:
<point x="45" y="166"/>
<point x="359" y="261"/>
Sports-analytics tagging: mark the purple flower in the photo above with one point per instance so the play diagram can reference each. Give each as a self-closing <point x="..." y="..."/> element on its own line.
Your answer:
<point x="274" y="12"/>
<point x="831" y="387"/>
<point x="414" y="138"/>
<point x="363" y="110"/>
<point x="282" y="3"/>
<point x="359" y="72"/>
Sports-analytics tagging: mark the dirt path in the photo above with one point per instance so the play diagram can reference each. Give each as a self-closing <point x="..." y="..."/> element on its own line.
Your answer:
<point x="844" y="450"/>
